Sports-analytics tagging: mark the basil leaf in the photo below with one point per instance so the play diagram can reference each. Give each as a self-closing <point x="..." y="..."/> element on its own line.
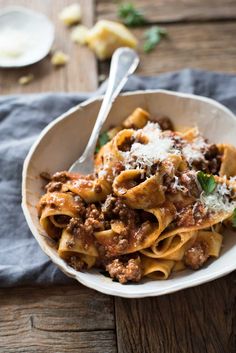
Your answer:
<point x="207" y="182"/>
<point x="153" y="37"/>
<point x="234" y="218"/>
<point x="102" y="140"/>
<point x="130" y="15"/>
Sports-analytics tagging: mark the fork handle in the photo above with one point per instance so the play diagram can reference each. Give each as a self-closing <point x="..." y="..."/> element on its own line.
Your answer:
<point x="123" y="64"/>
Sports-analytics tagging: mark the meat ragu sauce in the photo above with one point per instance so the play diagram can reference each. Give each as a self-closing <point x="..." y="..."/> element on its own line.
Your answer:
<point x="106" y="220"/>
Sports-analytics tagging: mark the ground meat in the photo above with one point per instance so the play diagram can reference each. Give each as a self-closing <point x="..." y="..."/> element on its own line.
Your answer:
<point x="62" y="177"/>
<point x="165" y="123"/>
<point x="94" y="218"/>
<point x="57" y="181"/>
<point x="46" y="176"/>
<point x="80" y="231"/>
<point x="191" y="215"/>
<point x="54" y="186"/>
<point x="145" y="228"/>
<point x="211" y="162"/>
<point x="80" y="206"/>
<point x="89" y="220"/>
<point x="126" y="144"/>
<point x="76" y="263"/>
<point x="211" y="152"/>
<point x="189" y="181"/>
<point x="108" y="205"/>
<point x="200" y="212"/>
<point x="154" y="168"/>
<point x="117" y="168"/>
<point x="114" y="208"/>
<point x="49" y="203"/>
<point x="125" y="271"/>
<point x="122" y="243"/>
<point x="196" y="255"/>
<point x="73" y="225"/>
<point x="137" y="224"/>
<point x="200" y="165"/>
<point x="123" y="212"/>
<point x="212" y="155"/>
<point x="185" y="217"/>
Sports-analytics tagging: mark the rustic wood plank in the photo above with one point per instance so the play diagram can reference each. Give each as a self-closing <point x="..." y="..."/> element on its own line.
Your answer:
<point x="36" y="341"/>
<point x="206" y="46"/>
<point x="56" y="319"/>
<point x="201" y="319"/>
<point x="80" y="74"/>
<point x="164" y="11"/>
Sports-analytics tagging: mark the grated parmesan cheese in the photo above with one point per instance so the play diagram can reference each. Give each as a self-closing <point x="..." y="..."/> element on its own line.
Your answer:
<point x="143" y="156"/>
<point x="177" y="186"/>
<point x="193" y="151"/>
<point x="231" y="179"/>
<point x="219" y="199"/>
<point x="160" y="146"/>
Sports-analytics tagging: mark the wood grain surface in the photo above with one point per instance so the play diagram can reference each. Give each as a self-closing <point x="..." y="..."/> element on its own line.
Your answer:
<point x="169" y="11"/>
<point x="207" y="46"/>
<point x="196" y="320"/>
<point x="73" y="318"/>
<point x="80" y="74"/>
<point x="56" y="319"/>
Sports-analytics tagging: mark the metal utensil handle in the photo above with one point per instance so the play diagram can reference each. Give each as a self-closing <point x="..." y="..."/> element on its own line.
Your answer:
<point x="123" y="64"/>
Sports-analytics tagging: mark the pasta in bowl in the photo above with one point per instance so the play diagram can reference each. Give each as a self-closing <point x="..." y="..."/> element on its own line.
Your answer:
<point x="158" y="202"/>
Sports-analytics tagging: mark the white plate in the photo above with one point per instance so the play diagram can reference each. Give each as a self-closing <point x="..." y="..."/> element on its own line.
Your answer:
<point x="62" y="141"/>
<point x="35" y="34"/>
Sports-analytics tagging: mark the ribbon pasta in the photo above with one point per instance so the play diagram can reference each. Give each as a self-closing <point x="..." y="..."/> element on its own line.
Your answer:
<point x="144" y="212"/>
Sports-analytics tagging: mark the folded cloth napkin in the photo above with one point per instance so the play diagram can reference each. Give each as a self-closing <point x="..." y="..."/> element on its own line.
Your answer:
<point x="22" y="117"/>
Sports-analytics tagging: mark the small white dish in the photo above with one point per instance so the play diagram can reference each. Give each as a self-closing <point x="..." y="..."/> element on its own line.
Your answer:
<point x="26" y="36"/>
<point x="62" y="142"/>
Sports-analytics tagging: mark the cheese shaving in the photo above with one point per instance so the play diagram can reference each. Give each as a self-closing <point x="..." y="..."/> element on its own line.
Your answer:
<point x="177" y="186"/>
<point x="219" y="199"/>
<point x="194" y="151"/>
<point x="143" y="156"/>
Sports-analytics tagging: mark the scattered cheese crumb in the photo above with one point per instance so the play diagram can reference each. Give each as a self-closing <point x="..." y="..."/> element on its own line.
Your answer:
<point x="59" y="58"/>
<point x="24" y="80"/>
<point x="102" y="78"/>
<point x="106" y="36"/>
<point x="71" y="14"/>
<point x="79" y="34"/>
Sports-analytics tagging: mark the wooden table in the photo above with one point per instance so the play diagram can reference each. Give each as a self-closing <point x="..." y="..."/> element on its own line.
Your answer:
<point x="76" y="319"/>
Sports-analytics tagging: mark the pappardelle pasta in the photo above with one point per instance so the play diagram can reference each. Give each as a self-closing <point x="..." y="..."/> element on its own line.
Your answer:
<point x="157" y="202"/>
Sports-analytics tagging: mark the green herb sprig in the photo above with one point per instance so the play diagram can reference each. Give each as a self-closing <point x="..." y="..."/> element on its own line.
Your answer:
<point x="207" y="182"/>
<point x="130" y="16"/>
<point x="234" y="218"/>
<point x="102" y="140"/>
<point x="153" y="37"/>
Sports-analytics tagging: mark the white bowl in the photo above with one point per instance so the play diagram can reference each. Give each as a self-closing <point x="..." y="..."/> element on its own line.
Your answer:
<point x="62" y="142"/>
<point x="25" y="29"/>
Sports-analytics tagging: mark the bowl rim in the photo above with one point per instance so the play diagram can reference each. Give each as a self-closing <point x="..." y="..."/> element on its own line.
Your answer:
<point x="76" y="274"/>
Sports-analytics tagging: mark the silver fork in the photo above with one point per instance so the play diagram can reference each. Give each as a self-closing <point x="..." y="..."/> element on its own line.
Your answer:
<point x="123" y="64"/>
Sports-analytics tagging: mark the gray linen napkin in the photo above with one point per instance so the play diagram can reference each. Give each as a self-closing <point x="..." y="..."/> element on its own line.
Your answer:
<point x="22" y="117"/>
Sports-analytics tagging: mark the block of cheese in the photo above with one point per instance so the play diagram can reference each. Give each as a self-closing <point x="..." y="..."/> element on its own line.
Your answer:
<point x="106" y="36"/>
<point x="79" y="34"/>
